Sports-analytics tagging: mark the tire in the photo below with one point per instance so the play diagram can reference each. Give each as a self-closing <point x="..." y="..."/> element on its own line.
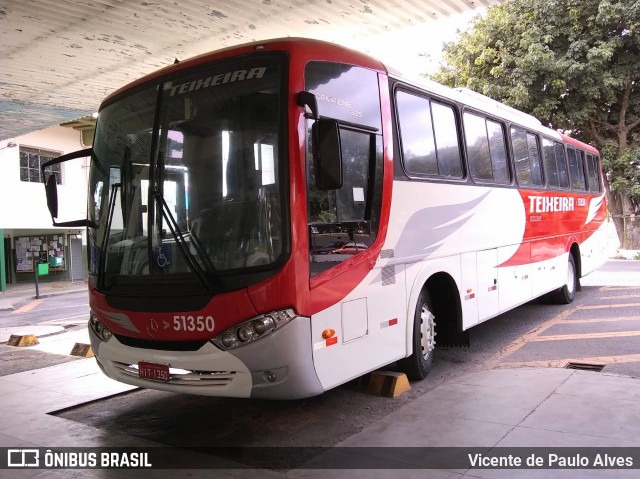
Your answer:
<point x="418" y="365"/>
<point x="567" y="293"/>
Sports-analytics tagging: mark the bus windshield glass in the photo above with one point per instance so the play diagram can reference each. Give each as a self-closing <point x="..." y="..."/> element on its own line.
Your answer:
<point x="186" y="174"/>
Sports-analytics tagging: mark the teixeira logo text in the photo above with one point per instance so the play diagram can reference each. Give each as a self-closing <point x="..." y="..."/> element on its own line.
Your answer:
<point x="550" y="204"/>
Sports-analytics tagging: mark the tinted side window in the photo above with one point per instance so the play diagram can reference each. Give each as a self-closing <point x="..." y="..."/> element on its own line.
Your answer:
<point x="345" y="92"/>
<point x="475" y="131"/>
<point x="555" y="164"/>
<point x="416" y="133"/>
<point x="486" y="149"/>
<point x="550" y="165"/>
<point x="447" y="144"/>
<point x="429" y="137"/>
<point x="561" y="160"/>
<point x="576" y="169"/>
<point x="534" y="156"/>
<point x="593" y="173"/>
<point x="344" y="222"/>
<point x="498" y="150"/>
<point x="521" y="156"/>
<point x="526" y="157"/>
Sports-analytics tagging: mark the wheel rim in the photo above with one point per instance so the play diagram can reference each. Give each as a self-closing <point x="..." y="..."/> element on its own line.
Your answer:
<point x="571" y="279"/>
<point x="427" y="331"/>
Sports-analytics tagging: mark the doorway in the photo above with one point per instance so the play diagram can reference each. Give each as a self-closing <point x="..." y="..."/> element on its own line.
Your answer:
<point x="76" y="259"/>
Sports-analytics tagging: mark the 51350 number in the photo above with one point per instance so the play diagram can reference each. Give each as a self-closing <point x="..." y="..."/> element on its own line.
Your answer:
<point x="193" y="323"/>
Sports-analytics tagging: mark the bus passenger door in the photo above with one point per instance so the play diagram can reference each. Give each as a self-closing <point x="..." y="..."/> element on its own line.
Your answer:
<point x="360" y="293"/>
<point x="370" y="303"/>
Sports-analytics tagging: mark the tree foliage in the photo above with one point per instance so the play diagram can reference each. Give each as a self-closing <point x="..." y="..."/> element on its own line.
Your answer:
<point x="575" y="65"/>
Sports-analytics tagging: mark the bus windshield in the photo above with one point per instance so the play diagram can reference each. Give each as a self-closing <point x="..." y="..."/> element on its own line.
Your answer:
<point x="186" y="174"/>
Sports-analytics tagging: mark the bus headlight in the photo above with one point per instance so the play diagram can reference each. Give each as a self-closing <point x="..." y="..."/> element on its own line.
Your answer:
<point x="99" y="328"/>
<point x="252" y="329"/>
<point x="229" y="340"/>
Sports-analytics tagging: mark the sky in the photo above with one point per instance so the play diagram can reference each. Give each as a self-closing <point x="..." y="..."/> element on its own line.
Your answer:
<point x="417" y="50"/>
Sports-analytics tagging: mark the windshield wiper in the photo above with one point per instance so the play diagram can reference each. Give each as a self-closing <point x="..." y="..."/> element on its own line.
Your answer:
<point x="105" y="239"/>
<point x="184" y="247"/>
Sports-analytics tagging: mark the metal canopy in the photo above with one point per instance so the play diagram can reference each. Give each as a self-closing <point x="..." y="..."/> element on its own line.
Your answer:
<point x="61" y="58"/>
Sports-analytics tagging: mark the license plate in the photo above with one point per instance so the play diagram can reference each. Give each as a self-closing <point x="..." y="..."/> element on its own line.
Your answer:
<point x="153" y="371"/>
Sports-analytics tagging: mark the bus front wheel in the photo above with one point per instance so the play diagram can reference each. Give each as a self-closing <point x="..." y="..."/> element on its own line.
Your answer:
<point x="418" y="365"/>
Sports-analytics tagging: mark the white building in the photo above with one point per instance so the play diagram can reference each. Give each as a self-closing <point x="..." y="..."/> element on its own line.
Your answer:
<point x="25" y="222"/>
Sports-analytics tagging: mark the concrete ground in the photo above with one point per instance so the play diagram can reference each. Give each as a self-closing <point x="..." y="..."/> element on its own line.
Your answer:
<point x="550" y="408"/>
<point x="18" y="293"/>
<point x="500" y="408"/>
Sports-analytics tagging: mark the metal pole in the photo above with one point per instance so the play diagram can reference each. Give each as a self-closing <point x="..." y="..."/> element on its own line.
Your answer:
<point x="3" y="263"/>
<point x="35" y="269"/>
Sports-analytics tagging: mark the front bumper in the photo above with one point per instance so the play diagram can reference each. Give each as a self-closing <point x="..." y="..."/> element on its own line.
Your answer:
<point x="279" y="366"/>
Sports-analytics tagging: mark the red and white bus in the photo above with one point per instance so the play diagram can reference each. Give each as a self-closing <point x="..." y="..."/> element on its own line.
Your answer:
<point x="275" y="219"/>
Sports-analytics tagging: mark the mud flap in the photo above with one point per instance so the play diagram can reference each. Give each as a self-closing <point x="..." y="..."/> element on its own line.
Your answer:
<point x="448" y="335"/>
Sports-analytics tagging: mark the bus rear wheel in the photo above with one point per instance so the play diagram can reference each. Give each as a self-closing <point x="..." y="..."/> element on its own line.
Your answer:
<point x="418" y="365"/>
<point x="567" y="293"/>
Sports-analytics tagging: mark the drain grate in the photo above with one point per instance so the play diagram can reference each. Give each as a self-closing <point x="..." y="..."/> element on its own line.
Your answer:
<point x="585" y="366"/>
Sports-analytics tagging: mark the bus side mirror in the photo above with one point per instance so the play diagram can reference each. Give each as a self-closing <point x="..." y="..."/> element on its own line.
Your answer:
<point x="327" y="154"/>
<point x="51" y="190"/>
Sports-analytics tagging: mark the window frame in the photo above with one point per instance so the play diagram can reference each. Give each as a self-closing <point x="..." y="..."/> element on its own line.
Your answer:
<point x="430" y="99"/>
<point x="597" y="171"/>
<point x="369" y="226"/>
<point x="554" y="145"/>
<point x="534" y="186"/>
<point x="503" y="125"/>
<point x="41" y="152"/>
<point x="579" y="161"/>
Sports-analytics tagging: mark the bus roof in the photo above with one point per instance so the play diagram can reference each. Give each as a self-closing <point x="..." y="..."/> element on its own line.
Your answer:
<point x="332" y="52"/>
<point x="321" y="49"/>
<point x="484" y="104"/>
<point x="579" y="144"/>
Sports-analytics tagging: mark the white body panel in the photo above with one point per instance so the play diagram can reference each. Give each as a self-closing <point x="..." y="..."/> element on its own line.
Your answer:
<point x="383" y="342"/>
<point x="467" y="232"/>
<point x="594" y="250"/>
<point x="488" y="299"/>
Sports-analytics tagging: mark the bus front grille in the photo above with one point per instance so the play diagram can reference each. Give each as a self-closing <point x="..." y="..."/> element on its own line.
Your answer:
<point x="183" y="376"/>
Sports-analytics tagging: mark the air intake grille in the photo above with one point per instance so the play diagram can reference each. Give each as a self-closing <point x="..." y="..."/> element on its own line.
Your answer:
<point x="184" y="377"/>
<point x="160" y="345"/>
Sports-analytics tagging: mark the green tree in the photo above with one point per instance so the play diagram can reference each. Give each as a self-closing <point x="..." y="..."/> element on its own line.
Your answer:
<point x="575" y="65"/>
